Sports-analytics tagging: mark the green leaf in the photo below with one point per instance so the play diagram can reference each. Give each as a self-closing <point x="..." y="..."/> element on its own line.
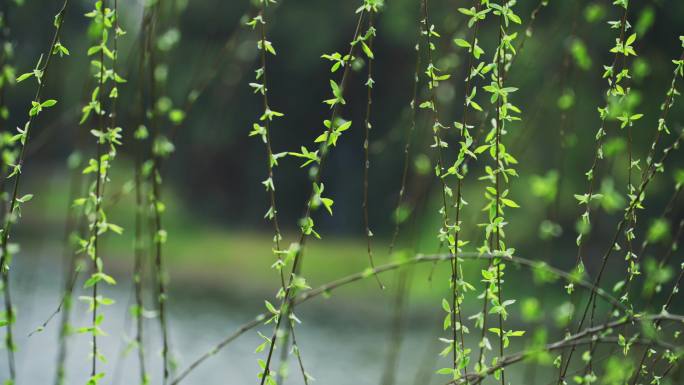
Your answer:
<point x="367" y="50"/>
<point x="49" y="103"/>
<point x="445" y="371"/>
<point x="327" y="202"/>
<point x="25" y="76"/>
<point x="461" y="43"/>
<point x="631" y="39"/>
<point x="509" y="203"/>
<point x="271" y="308"/>
<point x="445" y="305"/>
<point x="25" y="198"/>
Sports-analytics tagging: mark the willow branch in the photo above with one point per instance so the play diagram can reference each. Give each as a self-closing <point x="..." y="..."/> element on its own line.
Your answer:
<point x="344" y="281"/>
<point x="570" y="341"/>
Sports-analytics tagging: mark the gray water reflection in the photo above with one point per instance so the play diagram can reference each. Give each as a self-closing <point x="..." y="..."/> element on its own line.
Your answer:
<point x="340" y="345"/>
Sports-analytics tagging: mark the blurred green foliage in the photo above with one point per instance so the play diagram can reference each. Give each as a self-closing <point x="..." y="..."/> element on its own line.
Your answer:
<point x="216" y="168"/>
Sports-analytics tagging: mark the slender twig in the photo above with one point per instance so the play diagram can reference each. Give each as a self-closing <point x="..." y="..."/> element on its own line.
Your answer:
<point x="455" y="268"/>
<point x="138" y="271"/>
<point x="72" y="225"/>
<point x="600" y="136"/>
<point x="398" y="324"/>
<point x="418" y="259"/>
<point x="647" y="176"/>
<point x="99" y="193"/>
<point x="286" y="302"/>
<point x="271" y="162"/>
<point x="366" y="161"/>
<point x="656" y="324"/>
<point x="591" y="176"/>
<point x="159" y="234"/>
<point x="671" y="204"/>
<point x="13" y="202"/>
<point x="571" y="341"/>
<point x="139" y="246"/>
<point x="632" y="206"/>
<point x="407" y="148"/>
<point x="428" y="31"/>
<point x="529" y="30"/>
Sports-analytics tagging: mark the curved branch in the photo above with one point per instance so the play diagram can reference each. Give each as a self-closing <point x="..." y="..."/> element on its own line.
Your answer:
<point x="420" y="258"/>
<point x="570" y="341"/>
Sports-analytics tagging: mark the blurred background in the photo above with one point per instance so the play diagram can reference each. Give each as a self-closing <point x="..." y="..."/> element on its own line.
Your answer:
<point x="219" y="245"/>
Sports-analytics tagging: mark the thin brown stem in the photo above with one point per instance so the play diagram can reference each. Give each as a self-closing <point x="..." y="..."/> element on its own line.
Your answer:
<point x="286" y="302"/>
<point x="11" y="211"/>
<point x="418" y="259"/>
<point x="366" y="144"/>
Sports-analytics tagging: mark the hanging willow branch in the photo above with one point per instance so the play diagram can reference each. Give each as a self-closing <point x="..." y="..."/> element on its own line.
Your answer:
<point x="328" y="139"/>
<point x="160" y="148"/>
<point x="572" y="341"/>
<point x="367" y="46"/>
<point x="15" y="203"/>
<point x="651" y="168"/>
<point x="261" y="86"/>
<point x="108" y="138"/>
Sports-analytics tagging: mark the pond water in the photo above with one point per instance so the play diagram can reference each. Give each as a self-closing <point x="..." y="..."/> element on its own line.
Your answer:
<point x="341" y="343"/>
